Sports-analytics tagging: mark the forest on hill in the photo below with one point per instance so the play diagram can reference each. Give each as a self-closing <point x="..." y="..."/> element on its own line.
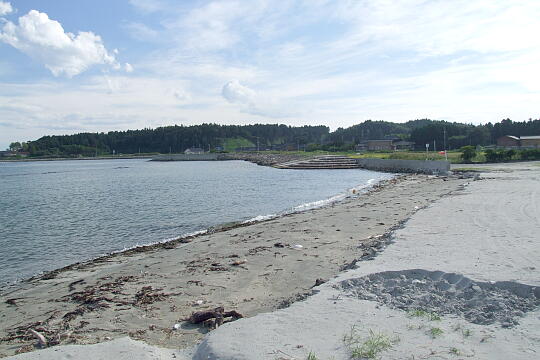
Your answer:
<point x="216" y="137"/>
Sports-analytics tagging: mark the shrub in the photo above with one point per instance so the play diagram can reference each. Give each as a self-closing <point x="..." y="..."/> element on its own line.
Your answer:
<point x="529" y="154"/>
<point x="469" y="153"/>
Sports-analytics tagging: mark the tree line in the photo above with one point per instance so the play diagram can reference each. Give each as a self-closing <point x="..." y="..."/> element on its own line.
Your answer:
<point x="178" y="138"/>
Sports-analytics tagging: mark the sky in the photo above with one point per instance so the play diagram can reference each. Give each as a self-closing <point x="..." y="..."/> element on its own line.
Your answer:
<point x="99" y="65"/>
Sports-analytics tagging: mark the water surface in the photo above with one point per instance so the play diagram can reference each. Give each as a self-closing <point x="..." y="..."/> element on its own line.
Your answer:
<point x="56" y="213"/>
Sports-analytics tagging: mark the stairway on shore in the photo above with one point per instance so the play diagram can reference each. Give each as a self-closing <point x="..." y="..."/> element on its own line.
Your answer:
<point x="321" y="162"/>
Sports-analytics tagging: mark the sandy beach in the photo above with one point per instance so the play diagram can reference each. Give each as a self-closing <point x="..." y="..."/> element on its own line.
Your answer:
<point x="411" y="244"/>
<point x="143" y="294"/>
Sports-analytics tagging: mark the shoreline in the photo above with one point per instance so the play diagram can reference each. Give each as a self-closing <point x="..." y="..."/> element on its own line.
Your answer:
<point x="459" y="280"/>
<point x="180" y="278"/>
<point x="261" y="158"/>
<point x="358" y="190"/>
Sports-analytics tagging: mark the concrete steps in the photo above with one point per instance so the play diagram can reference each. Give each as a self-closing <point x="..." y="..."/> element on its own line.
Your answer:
<point x="321" y="162"/>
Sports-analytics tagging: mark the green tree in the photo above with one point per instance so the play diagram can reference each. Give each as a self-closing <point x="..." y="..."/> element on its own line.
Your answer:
<point x="469" y="153"/>
<point x="15" y="146"/>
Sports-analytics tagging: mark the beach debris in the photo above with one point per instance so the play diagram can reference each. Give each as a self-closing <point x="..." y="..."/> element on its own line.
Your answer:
<point x="214" y="318"/>
<point x="40" y="338"/>
<point x="71" y="286"/>
<point x="12" y="301"/>
<point x="280" y="245"/>
<point x="239" y="262"/>
<point x="177" y="326"/>
<point x="148" y="295"/>
<point x="198" y="302"/>
<point x="297" y="247"/>
<point x="258" y="249"/>
<point x="319" y="282"/>
<point x="218" y="267"/>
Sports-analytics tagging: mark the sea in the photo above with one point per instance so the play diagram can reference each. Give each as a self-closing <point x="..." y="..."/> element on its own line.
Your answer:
<point x="56" y="213"/>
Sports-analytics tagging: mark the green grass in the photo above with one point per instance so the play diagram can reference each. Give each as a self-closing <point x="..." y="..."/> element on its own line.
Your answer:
<point x="432" y="316"/>
<point x="453" y="156"/>
<point x="435" y="332"/>
<point x="311" y="356"/>
<point x="230" y="144"/>
<point x="367" y="348"/>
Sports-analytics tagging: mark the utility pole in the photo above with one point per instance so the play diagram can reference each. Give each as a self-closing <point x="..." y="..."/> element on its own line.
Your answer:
<point x="444" y="141"/>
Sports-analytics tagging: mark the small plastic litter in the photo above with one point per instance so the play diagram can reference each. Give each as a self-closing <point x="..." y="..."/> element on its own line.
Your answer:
<point x="176" y="326"/>
<point x="239" y="262"/>
<point x="297" y="247"/>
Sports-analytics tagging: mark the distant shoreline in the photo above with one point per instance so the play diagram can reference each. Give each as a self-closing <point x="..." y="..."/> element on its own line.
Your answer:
<point x="81" y="158"/>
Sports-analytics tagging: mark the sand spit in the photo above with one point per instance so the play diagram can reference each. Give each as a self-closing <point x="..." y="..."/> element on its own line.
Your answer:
<point x="459" y="281"/>
<point x="251" y="269"/>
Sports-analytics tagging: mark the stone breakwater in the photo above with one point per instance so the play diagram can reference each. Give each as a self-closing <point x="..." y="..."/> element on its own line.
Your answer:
<point x="265" y="159"/>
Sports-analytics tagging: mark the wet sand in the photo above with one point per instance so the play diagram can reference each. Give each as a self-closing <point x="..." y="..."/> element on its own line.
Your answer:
<point x="251" y="269"/>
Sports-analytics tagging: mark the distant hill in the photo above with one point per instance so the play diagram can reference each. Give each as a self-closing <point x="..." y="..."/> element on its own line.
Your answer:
<point x="228" y="137"/>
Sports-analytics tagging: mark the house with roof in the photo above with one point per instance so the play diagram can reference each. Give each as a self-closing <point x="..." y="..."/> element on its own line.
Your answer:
<point x="384" y="145"/>
<point x="510" y="141"/>
<point x="530" y="141"/>
<point x="194" y="150"/>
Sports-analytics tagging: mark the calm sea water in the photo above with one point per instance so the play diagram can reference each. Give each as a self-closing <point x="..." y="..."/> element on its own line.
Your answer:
<point x="56" y="213"/>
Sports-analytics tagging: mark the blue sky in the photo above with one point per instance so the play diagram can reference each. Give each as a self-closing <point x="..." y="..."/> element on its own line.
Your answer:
<point x="91" y="65"/>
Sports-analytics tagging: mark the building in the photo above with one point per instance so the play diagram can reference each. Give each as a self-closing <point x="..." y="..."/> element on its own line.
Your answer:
<point x="378" y="145"/>
<point x="384" y="145"/>
<point x="404" y="145"/>
<point x="530" y="141"/>
<point x="510" y="141"/>
<point x="7" y="154"/>
<point x="194" y="151"/>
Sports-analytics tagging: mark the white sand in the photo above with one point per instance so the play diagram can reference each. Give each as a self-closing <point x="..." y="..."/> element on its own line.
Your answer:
<point x="119" y="349"/>
<point x="490" y="232"/>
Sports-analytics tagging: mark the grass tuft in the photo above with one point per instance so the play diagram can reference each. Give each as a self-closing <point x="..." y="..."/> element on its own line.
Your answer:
<point x="368" y="348"/>
<point x="435" y="332"/>
<point x="432" y="316"/>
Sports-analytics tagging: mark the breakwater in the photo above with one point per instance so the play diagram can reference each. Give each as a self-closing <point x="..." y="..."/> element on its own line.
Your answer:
<point x="406" y="166"/>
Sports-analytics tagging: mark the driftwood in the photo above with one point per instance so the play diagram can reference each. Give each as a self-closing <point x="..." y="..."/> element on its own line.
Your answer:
<point x="215" y="317"/>
<point x="40" y="338"/>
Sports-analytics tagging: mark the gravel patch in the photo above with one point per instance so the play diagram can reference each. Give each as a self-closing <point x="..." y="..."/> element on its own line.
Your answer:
<point x="443" y="293"/>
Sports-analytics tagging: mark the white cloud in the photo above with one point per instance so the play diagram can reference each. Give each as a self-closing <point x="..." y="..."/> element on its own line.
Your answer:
<point x="234" y="92"/>
<point x="128" y="67"/>
<point x="141" y="32"/>
<point x="182" y="96"/>
<point x="62" y="53"/>
<point x="436" y="28"/>
<point x="5" y="8"/>
<point x="257" y="104"/>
